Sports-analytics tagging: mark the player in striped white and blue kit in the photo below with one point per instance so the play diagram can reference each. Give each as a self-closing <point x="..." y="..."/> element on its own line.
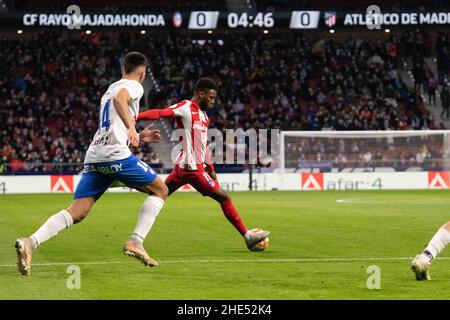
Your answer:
<point x="109" y="159"/>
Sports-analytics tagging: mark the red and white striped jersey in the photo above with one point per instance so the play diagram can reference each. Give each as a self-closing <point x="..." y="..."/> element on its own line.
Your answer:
<point x="194" y="123"/>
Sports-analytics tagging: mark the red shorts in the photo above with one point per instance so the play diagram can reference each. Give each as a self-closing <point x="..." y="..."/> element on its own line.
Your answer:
<point x="199" y="180"/>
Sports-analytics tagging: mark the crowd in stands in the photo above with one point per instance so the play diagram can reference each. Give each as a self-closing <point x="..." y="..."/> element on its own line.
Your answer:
<point x="298" y="83"/>
<point x="260" y="5"/>
<point x="385" y="5"/>
<point x="368" y="154"/>
<point x="109" y="6"/>
<point x="51" y="84"/>
<point x="50" y="87"/>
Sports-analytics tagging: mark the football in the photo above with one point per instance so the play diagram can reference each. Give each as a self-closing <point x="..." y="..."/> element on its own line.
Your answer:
<point x="260" y="246"/>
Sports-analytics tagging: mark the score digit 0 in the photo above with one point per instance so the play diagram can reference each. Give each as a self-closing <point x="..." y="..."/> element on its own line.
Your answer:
<point x="305" y="19"/>
<point x="200" y="20"/>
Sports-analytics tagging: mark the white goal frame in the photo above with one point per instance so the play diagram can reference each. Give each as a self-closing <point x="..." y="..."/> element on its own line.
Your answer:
<point x="369" y="133"/>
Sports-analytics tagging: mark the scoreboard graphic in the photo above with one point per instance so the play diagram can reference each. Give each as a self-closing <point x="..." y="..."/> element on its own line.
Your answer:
<point x="212" y="20"/>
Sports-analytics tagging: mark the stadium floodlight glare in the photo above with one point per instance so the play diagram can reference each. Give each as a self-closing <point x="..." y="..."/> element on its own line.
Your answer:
<point x="332" y="31"/>
<point x="266" y="31"/>
<point x="20" y="31"/>
<point x="143" y="32"/>
<point x="88" y="31"/>
<point x="210" y="31"/>
<point x="387" y="30"/>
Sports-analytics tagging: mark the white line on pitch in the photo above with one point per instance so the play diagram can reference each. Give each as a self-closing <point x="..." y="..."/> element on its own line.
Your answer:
<point x="376" y="201"/>
<point x="225" y="261"/>
<point x="346" y="200"/>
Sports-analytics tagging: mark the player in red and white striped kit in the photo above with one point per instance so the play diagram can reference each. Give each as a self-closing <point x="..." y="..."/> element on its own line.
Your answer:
<point x="193" y="165"/>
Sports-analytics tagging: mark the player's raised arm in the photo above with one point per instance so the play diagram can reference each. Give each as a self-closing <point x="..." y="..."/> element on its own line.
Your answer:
<point x="156" y="114"/>
<point x="150" y="135"/>
<point x="121" y="101"/>
<point x="179" y="110"/>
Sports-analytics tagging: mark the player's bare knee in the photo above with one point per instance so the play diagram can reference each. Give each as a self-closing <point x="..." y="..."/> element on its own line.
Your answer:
<point x="80" y="218"/>
<point x="165" y="192"/>
<point x="79" y="210"/>
<point x="162" y="192"/>
<point x="78" y="214"/>
<point x="446" y="226"/>
<point x="157" y="188"/>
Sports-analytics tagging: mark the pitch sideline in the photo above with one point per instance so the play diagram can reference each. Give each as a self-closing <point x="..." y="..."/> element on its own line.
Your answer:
<point x="226" y="261"/>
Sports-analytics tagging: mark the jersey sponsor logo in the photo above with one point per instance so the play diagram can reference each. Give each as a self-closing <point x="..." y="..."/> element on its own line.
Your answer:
<point x="312" y="181"/>
<point x="101" y="140"/>
<point x="438" y="180"/>
<point x="103" y="169"/>
<point x="199" y="126"/>
<point x="61" y="184"/>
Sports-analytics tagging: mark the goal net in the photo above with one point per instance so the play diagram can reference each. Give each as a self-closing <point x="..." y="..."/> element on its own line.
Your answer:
<point x="364" y="151"/>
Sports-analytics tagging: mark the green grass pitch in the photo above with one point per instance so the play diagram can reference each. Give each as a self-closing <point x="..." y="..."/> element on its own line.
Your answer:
<point x="321" y="245"/>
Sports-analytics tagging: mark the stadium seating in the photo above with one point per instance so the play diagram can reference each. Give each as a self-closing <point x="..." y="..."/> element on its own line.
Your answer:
<point x="51" y="84"/>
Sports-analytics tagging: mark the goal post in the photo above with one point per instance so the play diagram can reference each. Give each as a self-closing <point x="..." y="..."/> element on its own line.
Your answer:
<point x="363" y="151"/>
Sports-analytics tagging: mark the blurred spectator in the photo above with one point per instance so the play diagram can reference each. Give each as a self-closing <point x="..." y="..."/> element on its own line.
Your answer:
<point x="3" y="163"/>
<point x="422" y="155"/>
<point x="367" y="157"/>
<point x="340" y="161"/>
<point x="112" y="6"/>
<point x="445" y="101"/>
<point x="432" y="84"/>
<point x="386" y="5"/>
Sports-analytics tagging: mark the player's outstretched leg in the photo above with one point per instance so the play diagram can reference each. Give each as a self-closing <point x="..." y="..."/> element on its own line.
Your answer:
<point x="150" y="209"/>
<point x="25" y="247"/>
<point x="230" y="212"/>
<point x="422" y="262"/>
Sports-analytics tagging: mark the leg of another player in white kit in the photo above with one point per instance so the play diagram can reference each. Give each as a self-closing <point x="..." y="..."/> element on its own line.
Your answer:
<point x="25" y="247"/>
<point x="150" y="209"/>
<point x="422" y="262"/>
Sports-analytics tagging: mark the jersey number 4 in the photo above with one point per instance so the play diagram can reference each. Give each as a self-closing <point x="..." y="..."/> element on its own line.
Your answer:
<point x="104" y="119"/>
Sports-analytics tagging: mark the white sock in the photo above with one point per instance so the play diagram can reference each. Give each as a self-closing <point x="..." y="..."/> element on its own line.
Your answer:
<point x="438" y="242"/>
<point x="52" y="226"/>
<point x="147" y="215"/>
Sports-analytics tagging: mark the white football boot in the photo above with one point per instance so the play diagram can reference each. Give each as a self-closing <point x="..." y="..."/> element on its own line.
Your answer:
<point x="421" y="267"/>
<point x="24" y="248"/>
<point x="135" y="249"/>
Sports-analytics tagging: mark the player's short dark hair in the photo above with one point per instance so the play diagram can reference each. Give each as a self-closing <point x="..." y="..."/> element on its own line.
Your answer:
<point x="205" y="84"/>
<point x="133" y="60"/>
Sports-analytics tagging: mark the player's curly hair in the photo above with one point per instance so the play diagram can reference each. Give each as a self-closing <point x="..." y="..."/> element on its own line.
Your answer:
<point x="205" y="84"/>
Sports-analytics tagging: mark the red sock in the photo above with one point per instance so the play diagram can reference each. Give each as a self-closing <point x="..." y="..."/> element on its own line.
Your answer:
<point x="233" y="216"/>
